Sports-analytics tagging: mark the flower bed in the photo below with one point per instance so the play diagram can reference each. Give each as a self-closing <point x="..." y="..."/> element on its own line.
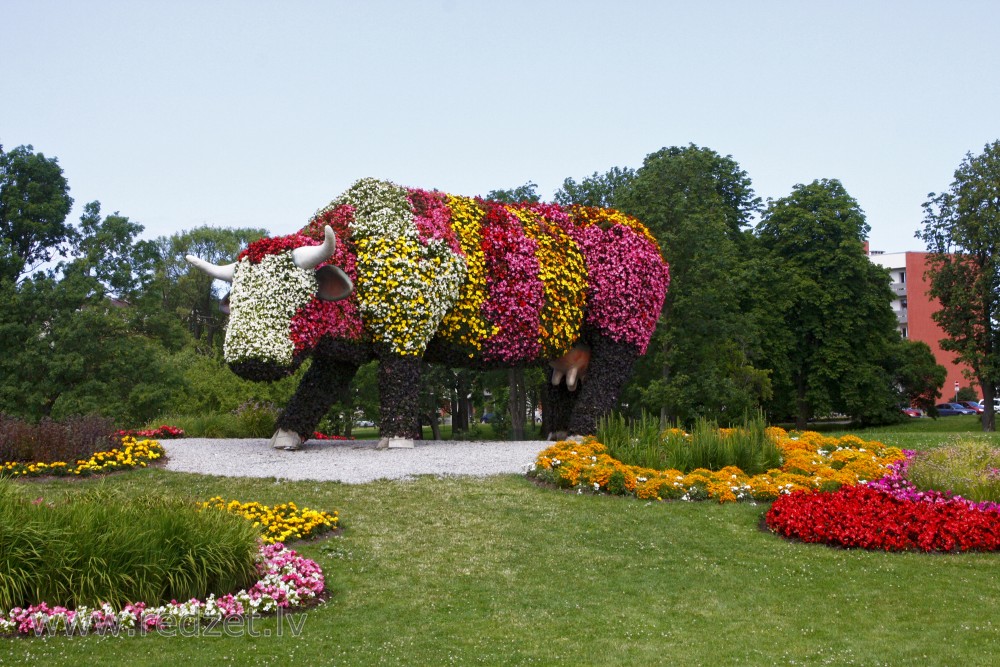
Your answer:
<point x="811" y="461"/>
<point x="288" y="581"/>
<point x="132" y="454"/>
<point x="896" y="484"/>
<point x="890" y="514"/>
<point x="869" y="518"/>
<point x="323" y="436"/>
<point x="281" y="522"/>
<point x="163" y="432"/>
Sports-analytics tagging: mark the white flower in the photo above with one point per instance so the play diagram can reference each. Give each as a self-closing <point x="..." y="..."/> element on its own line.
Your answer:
<point x="263" y="300"/>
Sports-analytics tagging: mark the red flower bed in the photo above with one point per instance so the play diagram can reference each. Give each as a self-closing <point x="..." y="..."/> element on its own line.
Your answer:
<point x="323" y="436"/>
<point x="160" y="433"/>
<point x="858" y="516"/>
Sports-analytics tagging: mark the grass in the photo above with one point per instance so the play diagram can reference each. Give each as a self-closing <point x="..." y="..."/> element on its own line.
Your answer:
<point x="500" y="572"/>
<point x="643" y="443"/>
<point x="925" y="433"/>
<point x="969" y="468"/>
<point x="105" y="546"/>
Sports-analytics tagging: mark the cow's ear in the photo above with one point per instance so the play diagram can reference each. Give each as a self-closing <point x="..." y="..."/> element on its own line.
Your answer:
<point x="224" y="304"/>
<point x="334" y="284"/>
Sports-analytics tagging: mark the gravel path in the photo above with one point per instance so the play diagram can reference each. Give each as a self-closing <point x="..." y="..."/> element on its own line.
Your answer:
<point x="351" y="462"/>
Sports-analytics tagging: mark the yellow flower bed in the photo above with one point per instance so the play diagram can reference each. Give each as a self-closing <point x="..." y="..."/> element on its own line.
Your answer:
<point x="131" y="454"/>
<point x="811" y="461"/>
<point x="280" y="523"/>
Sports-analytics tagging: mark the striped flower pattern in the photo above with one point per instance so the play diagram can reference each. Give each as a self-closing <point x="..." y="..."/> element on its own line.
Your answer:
<point x="500" y="283"/>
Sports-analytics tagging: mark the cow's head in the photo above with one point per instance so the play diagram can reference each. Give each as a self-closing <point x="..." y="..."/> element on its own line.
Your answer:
<point x="265" y="297"/>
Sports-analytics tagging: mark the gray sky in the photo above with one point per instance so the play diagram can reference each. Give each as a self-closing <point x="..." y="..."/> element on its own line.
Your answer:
<point x="254" y="113"/>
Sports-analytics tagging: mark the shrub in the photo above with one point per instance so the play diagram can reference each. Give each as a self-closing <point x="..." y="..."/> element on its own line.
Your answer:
<point x="48" y="441"/>
<point x="103" y="546"/>
<point x="747" y="447"/>
<point x="968" y="468"/>
<point x="256" y="419"/>
<point x="207" y="425"/>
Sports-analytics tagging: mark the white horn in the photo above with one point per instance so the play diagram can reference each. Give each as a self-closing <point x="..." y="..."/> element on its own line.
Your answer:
<point x="218" y="272"/>
<point x="311" y="256"/>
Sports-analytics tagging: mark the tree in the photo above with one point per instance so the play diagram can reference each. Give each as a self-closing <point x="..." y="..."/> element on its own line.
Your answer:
<point x="832" y="328"/>
<point x="962" y="233"/>
<point x="108" y="251"/>
<point x="188" y="294"/>
<point x="34" y="204"/>
<point x="522" y="193"/>
<point x="82" y="338"/>
<point x="918" y="375"/>
<point x="603" y="190"/>
<point x="703" y="358"/>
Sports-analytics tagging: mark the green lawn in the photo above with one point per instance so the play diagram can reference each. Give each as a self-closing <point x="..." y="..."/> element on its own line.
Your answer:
<point x="501" y="572"/>
<point x="923" y="433"/>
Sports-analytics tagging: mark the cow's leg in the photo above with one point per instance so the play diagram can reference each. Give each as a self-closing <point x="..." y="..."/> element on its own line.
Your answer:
<point x="558" y="407"/>
<point x="399" y="394"/>
<point x="610" y="368"/>
<point x="326" y="381"/>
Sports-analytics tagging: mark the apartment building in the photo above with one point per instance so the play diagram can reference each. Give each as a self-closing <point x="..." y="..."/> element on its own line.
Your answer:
<point x="914" y="308"/>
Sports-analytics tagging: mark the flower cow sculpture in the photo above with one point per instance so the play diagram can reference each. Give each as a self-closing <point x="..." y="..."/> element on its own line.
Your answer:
<point x="405" y="276"/>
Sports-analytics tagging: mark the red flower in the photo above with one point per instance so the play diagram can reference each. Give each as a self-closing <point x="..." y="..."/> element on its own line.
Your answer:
<point x="859" y="516"/>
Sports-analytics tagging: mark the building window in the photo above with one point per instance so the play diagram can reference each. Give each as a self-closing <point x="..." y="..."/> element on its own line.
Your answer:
<point x="902" y="332"/>
<point x="902" y="276"/>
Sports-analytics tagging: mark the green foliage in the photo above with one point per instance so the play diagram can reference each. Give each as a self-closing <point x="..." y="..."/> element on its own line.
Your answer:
<point x="189" y="295"/>
<point x="210" y="387"/>
<point x="642" y="443"/>
<point x="967" y="394"/>
<point x="105" y="547"/>
<point x="500" y="423"/>
<point x="522" y="193"/>
<point x="918" y="374"/>
<point x="107" y="250"/>
<point x="257" y="419"/>
<point x="830" y="332"/>
<point x="962" y="231"/>
<point x="602" y="190"/>
<point x="34" y="203"/>
<point x="967" y="467"/>
<point x="72" y="351"/>
<point x="206" y="424"/>
<point x="703" y="358"/>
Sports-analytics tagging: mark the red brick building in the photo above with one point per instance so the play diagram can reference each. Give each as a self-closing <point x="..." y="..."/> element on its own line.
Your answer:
<point x="914" y="309"/>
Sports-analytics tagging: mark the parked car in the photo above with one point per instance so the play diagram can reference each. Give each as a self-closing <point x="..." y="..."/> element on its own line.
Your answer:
<point x="952" y="409"/>
<point x="996" y="405"/>
<point x="364" y="423"/>
<point x="978" y="409"/>
<point x="912" y="412"/>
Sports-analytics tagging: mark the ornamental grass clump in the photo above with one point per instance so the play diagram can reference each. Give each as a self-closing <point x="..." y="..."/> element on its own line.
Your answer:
<point x="748" y="447"/>
<point x="967" y="468"/>
<point x="106" y="547"/>
<point x="49" y="440"/>
<point x="638" y="442"/>
<point x="257" y="419"/>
